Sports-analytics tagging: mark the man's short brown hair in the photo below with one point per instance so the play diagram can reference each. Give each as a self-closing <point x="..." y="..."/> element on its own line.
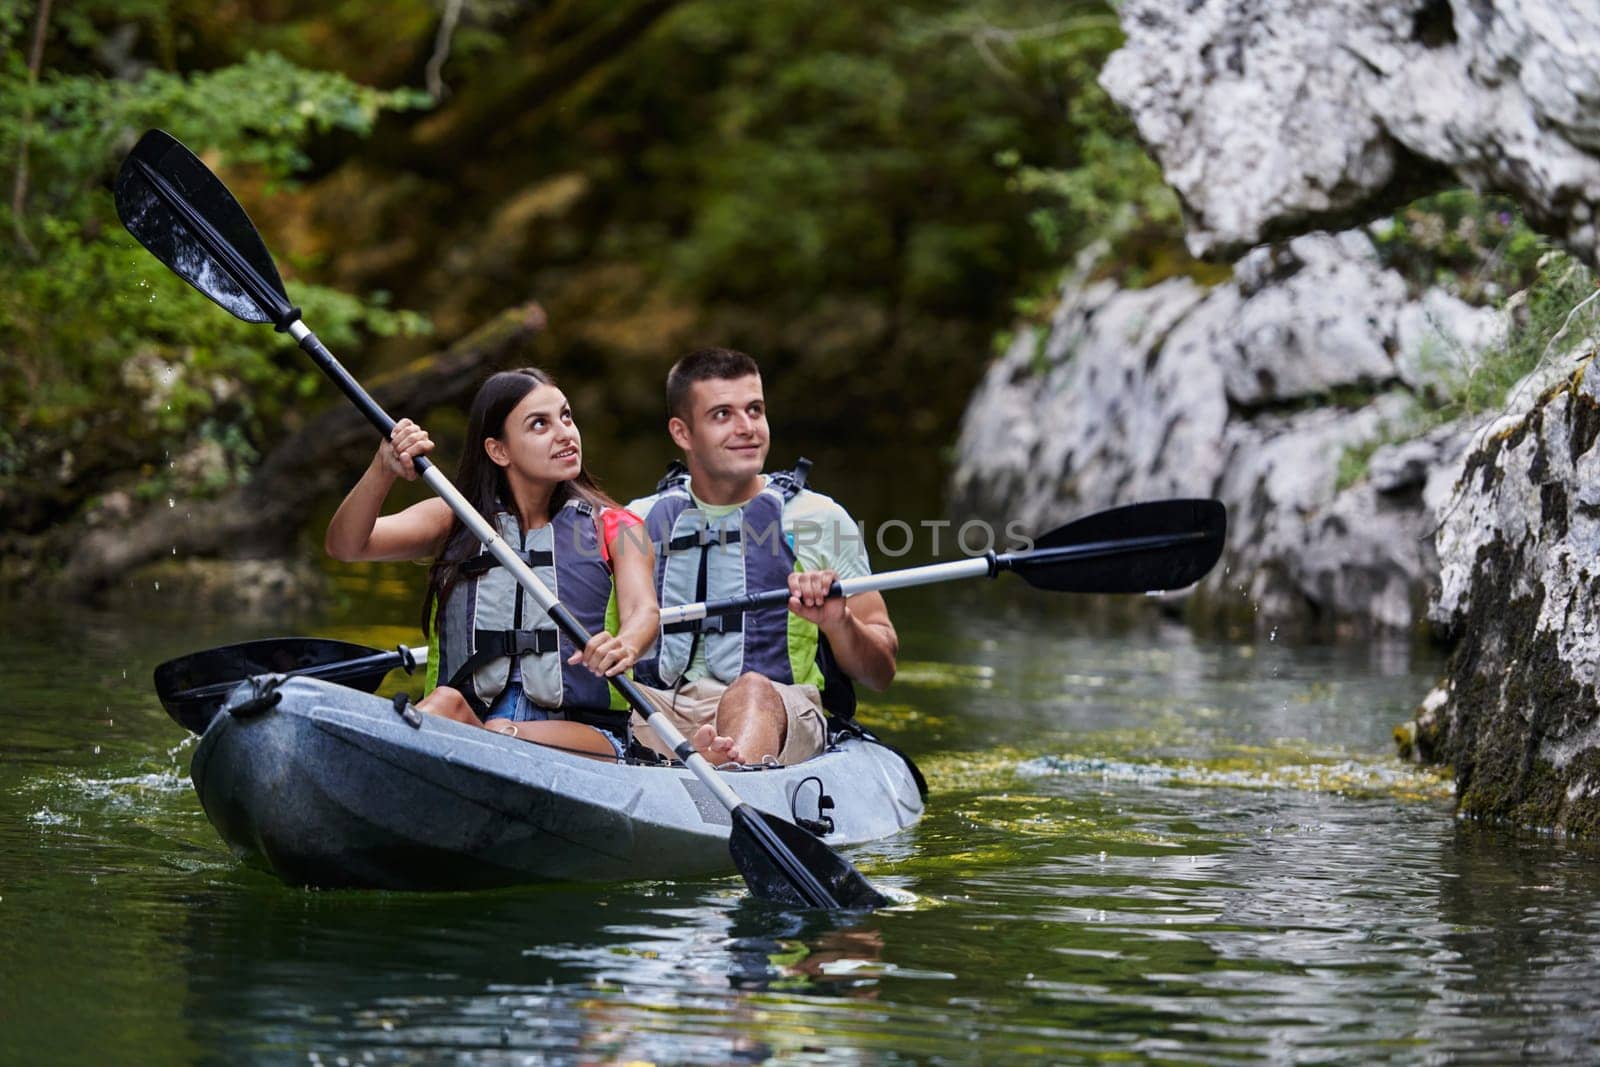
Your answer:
<point x="704" y="364"/>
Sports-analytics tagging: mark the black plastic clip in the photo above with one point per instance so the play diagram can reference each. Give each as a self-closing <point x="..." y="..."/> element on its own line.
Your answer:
<point x="407" y="711"/>
<point x="823" y="823"/>
<point x="264" y="696"/>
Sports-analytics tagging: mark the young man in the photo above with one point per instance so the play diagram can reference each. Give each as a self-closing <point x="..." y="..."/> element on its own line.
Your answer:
<point x="752" y="688"/>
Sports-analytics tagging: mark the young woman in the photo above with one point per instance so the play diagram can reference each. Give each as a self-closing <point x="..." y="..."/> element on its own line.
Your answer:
<point x="497" y="656"/>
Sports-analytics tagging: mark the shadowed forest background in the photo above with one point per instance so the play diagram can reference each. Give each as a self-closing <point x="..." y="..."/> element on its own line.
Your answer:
<point x="863" y="196"/>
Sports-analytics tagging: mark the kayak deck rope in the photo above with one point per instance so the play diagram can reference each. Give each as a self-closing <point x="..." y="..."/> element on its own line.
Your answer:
<point x="264" y="696"/>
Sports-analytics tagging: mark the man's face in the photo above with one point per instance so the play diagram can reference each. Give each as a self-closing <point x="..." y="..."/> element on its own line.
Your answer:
<point x="726" y="432"/>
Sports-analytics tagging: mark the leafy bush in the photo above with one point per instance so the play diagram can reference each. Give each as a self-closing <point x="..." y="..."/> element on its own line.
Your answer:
<point x="111" y="363"/>
<point x="1558" y="309"/>
<point x="1477" y="247"/>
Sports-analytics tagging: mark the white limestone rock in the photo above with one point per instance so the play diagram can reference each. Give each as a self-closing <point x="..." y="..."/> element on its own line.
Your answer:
<point x="1273" y="117"/>
<point x="1179" y="391"/>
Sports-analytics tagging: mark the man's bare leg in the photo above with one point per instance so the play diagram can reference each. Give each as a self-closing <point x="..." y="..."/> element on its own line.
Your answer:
<point x="752" y="713"/>
<point x="704" y="738"/>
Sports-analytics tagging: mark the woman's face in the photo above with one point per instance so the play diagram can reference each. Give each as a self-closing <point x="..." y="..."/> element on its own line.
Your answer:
<point x="539" y="441"/>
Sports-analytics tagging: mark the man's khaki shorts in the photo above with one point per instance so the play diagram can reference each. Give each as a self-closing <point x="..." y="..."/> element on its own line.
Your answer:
<point x="694" y="704"/>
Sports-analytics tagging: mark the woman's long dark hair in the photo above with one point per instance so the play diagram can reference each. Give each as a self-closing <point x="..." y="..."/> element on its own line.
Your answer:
<point x="483" y="481"/>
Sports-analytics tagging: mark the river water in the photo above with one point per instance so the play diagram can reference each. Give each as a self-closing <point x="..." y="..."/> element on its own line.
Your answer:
<point x="1140" y="846"/>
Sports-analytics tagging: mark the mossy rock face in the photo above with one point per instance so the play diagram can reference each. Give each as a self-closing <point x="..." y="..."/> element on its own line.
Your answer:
<point x="1517" y="715"/>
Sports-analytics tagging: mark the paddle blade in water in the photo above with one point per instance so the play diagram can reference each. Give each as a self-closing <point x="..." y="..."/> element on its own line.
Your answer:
<point x="181" y="212"/>
<point x="1161" y="544"/>
<point x="784" y="864"/>
<point x="193" y="687"/>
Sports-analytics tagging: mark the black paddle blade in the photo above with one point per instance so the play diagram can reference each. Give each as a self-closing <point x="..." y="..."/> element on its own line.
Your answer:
<point x="784" y="864"/>
<point x="1139" y="548"/>
<point x="181" y="212"/>
<point x="193" y="687"/>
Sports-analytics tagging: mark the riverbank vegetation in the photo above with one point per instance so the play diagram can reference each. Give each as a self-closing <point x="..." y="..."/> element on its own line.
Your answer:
<point x="859" y="195"/>
<point x="1479" y="250"/>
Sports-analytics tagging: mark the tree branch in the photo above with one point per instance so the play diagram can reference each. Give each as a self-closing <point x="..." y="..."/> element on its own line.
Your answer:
<point x="19" y="187"/>
<point x="433" y="75"/>
<point x="264" y="517"/>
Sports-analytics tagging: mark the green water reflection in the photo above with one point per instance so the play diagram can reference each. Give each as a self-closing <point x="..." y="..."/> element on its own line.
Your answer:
<point x="1140" y="846"/>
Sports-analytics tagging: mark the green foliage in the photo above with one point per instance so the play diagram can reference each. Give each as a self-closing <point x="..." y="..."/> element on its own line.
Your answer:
<point x="1559" y="307"/>
<point x="829" y="154"/>
<point x="859" y="192"/>
<point x="1353" y="464"/>
<point x="1106" y="197"/>
<point x="856" y="193"/>
<point x="1111" y="191"/>
<point x="864" y="143"/>
<point x="1541" y="313"/>
<point x="112" y="363"/>
<point x="1477" y="247"/>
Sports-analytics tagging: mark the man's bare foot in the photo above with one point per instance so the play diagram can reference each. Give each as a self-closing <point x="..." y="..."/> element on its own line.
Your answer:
<point x="717" y="750"/>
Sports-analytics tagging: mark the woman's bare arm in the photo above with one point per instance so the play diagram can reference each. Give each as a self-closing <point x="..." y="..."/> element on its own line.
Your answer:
<point x="359" y="531"/>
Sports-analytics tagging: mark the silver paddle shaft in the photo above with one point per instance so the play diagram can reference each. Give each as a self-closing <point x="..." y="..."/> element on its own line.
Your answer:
<point x="977" y="567"/>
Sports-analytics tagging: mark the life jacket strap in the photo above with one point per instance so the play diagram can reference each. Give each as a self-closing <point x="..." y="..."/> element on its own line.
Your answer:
<point x="677" y="474"/>
<point x="703" y="538"/>
<point x="483" y="563"/>
<point x="491" y="645"/>
<point x="789" y="483"/>
<point x="722" y="624"/>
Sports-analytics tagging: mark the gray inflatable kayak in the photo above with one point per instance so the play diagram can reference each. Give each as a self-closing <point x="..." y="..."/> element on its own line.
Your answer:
<point x="332" y="787"/>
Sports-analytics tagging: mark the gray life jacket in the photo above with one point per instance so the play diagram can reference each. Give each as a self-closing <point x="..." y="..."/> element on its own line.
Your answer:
<point x="488" y="617"/>
<point x="745" y="551"/>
